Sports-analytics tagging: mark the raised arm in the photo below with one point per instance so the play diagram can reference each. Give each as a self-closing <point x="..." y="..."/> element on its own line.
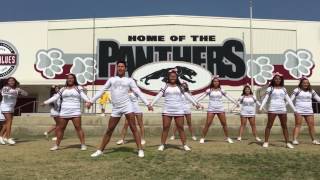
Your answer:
<point x="22" y="92"/>
<point x="136" y="90"/>
<point x="106" y="86"/>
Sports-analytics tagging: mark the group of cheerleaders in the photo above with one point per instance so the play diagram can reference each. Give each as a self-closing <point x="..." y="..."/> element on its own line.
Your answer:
<point x="65" y="105"/>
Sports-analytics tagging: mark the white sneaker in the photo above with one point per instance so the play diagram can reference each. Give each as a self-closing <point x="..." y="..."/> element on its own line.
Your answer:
<point x="265" y="144"/>
<point x="289" y="145"/>
<point x="97" y="153"/>
<point x="54" y="148"/>
<point x="295" y="142"/>
<point x="229" y="140"/>
<point x="258" y="139"/>
<point x="140" y="153"/>
<point x="83" y="147"/>
<point x="315" y="142"/>
<point x="46" y="134"/>
<point x="186" y="148"/>
<point x="2" y="141"/>
<point x="11" y="141"/>
<point x="202" y="141"/>
<point x="239" y="138"/>
<point x="172" y="138"/>
<point x="194" y="138"/>
<point x="161" y="147"/>
<point x="121" y="141"/>
<point x="54" y="139"/>
<point x="143" y="142"/>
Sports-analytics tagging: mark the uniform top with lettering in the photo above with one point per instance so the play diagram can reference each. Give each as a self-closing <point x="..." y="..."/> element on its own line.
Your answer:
<point x="278" y="98"/>
<point x="119" y="88"/>
<point x="248" y="104"/>
<point x="303" y="100"/>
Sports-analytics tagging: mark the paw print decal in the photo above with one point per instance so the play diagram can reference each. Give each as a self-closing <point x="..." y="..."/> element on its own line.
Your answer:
<point x="262" y="70"/>
<point x="84" y="69"/>
<point x="298" y="63"/>
<point x="50" y="62"/>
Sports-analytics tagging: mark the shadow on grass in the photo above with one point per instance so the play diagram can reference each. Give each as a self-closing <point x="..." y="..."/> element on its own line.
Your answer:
<point x="76" y="146"/>
<point x="121" y="149"/>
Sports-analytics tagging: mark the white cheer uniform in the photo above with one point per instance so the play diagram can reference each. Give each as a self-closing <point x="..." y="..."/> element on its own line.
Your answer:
<point x="278" y="98"/>
<point x="303" y="101"/>
<point x="173" y="100"/>
<point x="248" y="105"/>
<point x="55" y="108"/>
<point x="9" y="98"/>
<point x="70" y="101"/>
<point x="216" y="100"/>
<point x="119" y="88"/>
<point x="135" y="103"/>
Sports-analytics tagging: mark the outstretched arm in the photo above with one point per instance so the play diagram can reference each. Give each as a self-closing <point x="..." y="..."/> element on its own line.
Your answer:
<point x="106" y="86"/>
<point x="190" y="98"/>
<point x="22" y="92"/>
<point x="203" y="95"/>
<point x="264" y="101"/>
<point x="52" y="99"/>
<point x="228" y="97"/>
<point x="290" y="102"/>
<point x="157" y="97"/>
<point x="136" y="90"/>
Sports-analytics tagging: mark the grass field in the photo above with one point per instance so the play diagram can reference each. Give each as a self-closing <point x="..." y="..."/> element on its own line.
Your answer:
<point x="31" y="159"/>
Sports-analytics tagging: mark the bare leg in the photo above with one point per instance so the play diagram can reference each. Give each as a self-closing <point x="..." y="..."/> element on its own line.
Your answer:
<point x="271" y="118"/>
<point x="113" y="121"/>
<point x="296" y="130"/>
<point x="53" y="128"/>
<point x="223" y="122"/>
<point x="124" y="129"/>
<point x="179" y="124"/>
<point x="208" y="123"/>
<point x="310" y="122"/>
<point x="242" y="126"/>
<point x="139" y="118"/>
<point x="283" y="121"/>
<point x="188" y="118"/>
<point x="166" y="123"/>
<point x="61" y="126"/>
<point x="132" y="124"/>
<point x="8" y="125"/>
<point x="77" y="125"/>
<point x="252" y="121"/>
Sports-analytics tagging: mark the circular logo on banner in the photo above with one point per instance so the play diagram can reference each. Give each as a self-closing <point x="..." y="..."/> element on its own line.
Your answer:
<point x="151" y="77"/>
<point x="8" y="59"/>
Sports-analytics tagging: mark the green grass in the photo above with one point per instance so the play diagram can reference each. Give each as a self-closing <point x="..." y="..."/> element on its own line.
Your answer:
<point x="31" y="159"/>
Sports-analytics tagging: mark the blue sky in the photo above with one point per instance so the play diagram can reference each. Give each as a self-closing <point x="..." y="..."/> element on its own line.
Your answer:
<point x="13" y="10"/>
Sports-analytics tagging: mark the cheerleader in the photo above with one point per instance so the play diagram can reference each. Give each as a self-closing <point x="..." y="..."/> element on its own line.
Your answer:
<point x="173" y="101"/>
<point x="138" y="116"/>
<point x="303" y="96"/>
<point x="121" y="105"/>
<point x="248" y="111"/>
<point x="10" y="93"/>
<point x="215" y="107"/>
<point x="187" y="114"/>
<point x="277" y="94"/>
<point x="54" y="111"/>
<point x="70" y="109"/>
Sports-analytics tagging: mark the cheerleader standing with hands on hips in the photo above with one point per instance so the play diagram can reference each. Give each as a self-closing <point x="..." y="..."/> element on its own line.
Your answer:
<point x="216" y="107"/>
<point x="173" y="101"/>
<point x="70" y="109"/>
<point x="10" y="93"/>
<point x="248" y="102"/>
<point x="277" y="107"/>
<point x="302" y="96"/>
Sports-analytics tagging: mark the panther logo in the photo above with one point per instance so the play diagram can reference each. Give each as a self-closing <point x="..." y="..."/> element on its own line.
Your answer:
<point x="183" y="73"/>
